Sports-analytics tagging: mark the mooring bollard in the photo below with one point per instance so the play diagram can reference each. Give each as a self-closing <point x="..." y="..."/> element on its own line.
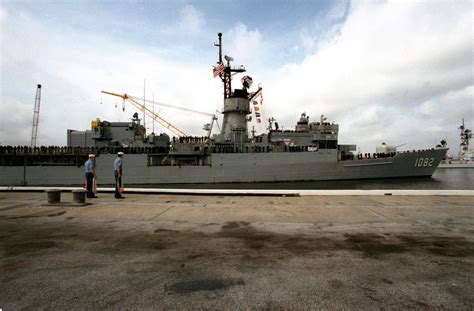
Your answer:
<point x="54" y="196"/>
<point x="79" y="196"/>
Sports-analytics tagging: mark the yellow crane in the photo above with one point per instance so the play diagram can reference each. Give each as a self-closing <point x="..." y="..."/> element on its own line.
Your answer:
<point x="134" y="100"/>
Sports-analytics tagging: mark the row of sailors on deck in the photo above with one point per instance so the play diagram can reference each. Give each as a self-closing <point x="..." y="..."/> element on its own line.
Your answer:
<point x="190" y="139"/>
<point x="375" y="155"/>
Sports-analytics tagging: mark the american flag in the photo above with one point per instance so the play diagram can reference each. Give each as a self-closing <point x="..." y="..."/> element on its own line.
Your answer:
<point x="218" y="70"/>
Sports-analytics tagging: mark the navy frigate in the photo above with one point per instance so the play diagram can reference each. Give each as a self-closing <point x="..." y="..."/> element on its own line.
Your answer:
<point x="310" y="152"/>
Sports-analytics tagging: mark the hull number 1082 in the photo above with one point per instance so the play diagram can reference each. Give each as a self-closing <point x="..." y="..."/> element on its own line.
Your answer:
<point x="424" y="162"/>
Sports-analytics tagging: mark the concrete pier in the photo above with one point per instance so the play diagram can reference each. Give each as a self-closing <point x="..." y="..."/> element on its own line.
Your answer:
<point x="221" y="251"/>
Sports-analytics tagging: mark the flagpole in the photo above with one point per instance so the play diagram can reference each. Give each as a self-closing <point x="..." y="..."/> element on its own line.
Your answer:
<point x="153" y="110"/>
<point x="144" y="104"/>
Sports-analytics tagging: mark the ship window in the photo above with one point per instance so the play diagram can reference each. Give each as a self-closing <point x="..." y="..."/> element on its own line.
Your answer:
<point x="332" y="144"/>
<point x="327" y="144"/>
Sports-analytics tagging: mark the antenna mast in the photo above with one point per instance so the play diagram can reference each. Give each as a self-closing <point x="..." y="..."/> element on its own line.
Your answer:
<point x="144" y="104"/>
<point x="34" y="130"/>
<point x="466" y="134"/>
<point x="153" y="111"/>
<point x="220" y="46"/>
<point x="226" y="74"/>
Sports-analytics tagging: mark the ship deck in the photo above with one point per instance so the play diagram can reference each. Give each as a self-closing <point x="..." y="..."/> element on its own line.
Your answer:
<point x="222" y="251"/>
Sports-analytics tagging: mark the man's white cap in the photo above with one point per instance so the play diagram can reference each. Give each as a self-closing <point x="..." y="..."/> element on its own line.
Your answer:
<point x="91" y="155"/>
<point x="120" y="153"/>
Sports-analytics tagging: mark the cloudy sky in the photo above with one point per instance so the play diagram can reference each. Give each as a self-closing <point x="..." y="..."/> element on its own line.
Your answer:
<point x="399" y="72"/>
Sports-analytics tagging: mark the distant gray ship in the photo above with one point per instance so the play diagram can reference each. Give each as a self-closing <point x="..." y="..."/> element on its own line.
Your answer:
<point x="465" y="158"/>
<point x="309" y="152"/>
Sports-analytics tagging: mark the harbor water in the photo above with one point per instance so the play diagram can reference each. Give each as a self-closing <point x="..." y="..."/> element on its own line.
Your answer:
<point x="442" y="179"/>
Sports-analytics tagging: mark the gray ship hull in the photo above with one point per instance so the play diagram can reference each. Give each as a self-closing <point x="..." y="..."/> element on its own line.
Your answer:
<point x="234" y="168"/>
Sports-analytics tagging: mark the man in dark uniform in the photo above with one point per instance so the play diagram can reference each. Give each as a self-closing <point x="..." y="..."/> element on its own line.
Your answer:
<point x="118" y="172"/>
<point x="90" y="175"/>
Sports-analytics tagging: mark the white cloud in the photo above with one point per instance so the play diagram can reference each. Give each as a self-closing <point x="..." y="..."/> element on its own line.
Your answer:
<point x="16" y="123"/>
<point x="308" y="42"/>
<point x="323" y="28"/>
<point x="244" y="45"/>
<point x="191" y="18"/>
<point x="338" y="10"/>
<point x="391" y="55"/>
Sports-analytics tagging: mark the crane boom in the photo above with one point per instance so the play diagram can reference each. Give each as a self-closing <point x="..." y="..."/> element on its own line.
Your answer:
<point x="172" y="106"/>
<point x="153" y="115"/>
<point x="34" y="130"/>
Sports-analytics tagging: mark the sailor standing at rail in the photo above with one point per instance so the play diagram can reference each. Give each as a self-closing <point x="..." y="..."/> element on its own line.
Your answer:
<point x="90" y="175"/>
<point x="118" y="171"/>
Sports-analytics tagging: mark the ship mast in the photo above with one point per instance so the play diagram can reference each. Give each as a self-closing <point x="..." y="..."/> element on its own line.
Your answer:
<point x="236" y="102"/>
<point x="226" y="74"/>
<point x="466" y="134"/>
<point x="220" y="47"/>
